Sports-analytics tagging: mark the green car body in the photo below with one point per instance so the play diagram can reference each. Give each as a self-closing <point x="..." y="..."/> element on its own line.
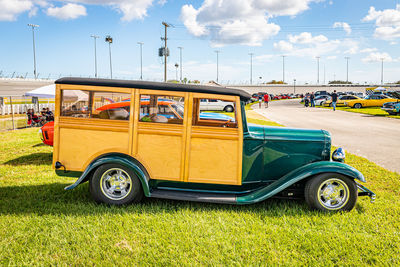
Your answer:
<point x="277" y="161"/>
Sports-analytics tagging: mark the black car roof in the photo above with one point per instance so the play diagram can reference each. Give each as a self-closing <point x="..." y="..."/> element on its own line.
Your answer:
<point x="156" y="86"/>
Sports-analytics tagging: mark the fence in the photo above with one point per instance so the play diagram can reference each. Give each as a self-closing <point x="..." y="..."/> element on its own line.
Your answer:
<point x="13" y="111"/>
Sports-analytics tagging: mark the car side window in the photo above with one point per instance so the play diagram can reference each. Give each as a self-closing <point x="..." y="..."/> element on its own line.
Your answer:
<point x="95" y="105"/>
<point x="214" y="118"/>
<point x="161" y="109"/>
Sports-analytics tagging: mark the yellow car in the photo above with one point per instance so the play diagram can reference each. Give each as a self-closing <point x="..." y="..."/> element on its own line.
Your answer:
<point x="369" y="101"/>
<point x="341" y="100"/>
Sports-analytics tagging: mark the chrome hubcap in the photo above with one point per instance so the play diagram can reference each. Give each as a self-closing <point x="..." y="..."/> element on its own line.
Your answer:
<point x="116" y="184"/>
<point x="333" y="194"/>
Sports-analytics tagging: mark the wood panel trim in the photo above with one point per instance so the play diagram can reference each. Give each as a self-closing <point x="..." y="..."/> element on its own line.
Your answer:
<point x="131" y="119"/>
<point x="56" y="139"/>
<point x="94" y="127"/>
<point x="95" y="88"/>
<point x="239" y="119"/>
<point x="134" y="136"/>
<point x="188" y="136"/>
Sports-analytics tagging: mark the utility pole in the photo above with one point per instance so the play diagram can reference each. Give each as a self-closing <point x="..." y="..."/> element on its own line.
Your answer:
<point x="294" y="86"/>
<point x="166" y="25"/>
<point x="347" y="69"/>
<point x="180" y="61"/>
<point x="34" y="48"/>
<point x="251" y="68"/>
<point x="382" y="71"/>
<point x="283" y="68"/>
<point x="217" y="52"/>
<point x="95" y="54"/>
<point x="141" y="60"/>
<point x="109" y="40"/>
<point x="318" y="69"/>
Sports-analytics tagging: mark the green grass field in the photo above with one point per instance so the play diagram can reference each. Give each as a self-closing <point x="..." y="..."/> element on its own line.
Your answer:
<point x="41" y="224"/>
<point x="372" y="111"/>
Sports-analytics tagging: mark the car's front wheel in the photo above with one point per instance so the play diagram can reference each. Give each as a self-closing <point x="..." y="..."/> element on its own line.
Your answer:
<point x="331" y="192"/>
<point x="357" y="105"/>
<point x="115" y="184"/>
<point x="228" y="109"/>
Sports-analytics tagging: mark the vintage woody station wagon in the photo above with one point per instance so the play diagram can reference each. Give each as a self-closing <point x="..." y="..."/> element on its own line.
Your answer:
<point x="131" y="139"/>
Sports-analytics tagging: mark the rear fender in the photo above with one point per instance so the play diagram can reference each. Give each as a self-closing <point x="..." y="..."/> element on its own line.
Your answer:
<point x="118" y="158"/>
<point x="297" y="175"/>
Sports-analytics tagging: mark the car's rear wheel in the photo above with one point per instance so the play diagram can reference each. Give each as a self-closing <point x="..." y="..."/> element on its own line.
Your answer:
<point x="357" y="105"/>
<point x="331" y="192"/>
<point x="115" y="184"/>
<point x="228" y="109"/>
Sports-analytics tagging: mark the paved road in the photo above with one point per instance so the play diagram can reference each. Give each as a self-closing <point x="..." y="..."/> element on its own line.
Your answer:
<point x="376" y="138"/>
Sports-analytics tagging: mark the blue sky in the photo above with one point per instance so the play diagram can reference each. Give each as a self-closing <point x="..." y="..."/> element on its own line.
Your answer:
<point x="366" y="31"/>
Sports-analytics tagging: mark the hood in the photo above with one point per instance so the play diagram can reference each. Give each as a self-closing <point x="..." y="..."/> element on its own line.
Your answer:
<point x="289" y="134"/>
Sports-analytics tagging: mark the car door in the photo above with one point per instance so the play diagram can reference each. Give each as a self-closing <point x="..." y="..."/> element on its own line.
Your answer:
<point x="204" y="104"/>
<point x="214" y="144"/>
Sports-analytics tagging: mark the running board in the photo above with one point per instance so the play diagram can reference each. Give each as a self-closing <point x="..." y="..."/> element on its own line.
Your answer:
<point x="194" y="196"/>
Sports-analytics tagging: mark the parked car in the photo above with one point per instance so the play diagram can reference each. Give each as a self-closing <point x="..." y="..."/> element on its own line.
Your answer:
<point x="216" y="105"/>
<point x="341" y="100"/>
<point x="393" y="108"/>
<point x="189" y="157"/>
<point x="317" y="93"/>
<point x="369" y="101"/>
<point x="321" y="99"/>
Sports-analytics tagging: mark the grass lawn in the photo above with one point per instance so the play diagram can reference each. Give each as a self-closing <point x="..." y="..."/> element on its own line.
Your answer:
<point x="41" y="224"/>
<point x="373" y="111"/>
<point x="19" y="122"/>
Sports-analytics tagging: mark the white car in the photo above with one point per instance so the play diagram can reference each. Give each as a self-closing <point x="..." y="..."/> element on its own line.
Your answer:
<point x="319" y="100"/>
<point x="216" y="105"/>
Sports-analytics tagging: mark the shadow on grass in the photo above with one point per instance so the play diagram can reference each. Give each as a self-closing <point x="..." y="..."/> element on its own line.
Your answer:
<point x="32" y="159"/>
<point x="52" y="199"/>
<point x="38" y="145"/>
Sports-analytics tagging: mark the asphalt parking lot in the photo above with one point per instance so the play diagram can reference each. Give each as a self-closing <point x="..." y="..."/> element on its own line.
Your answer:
<point x="375" y="138"/>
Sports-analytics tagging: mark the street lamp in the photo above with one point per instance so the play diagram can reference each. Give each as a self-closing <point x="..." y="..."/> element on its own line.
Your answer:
<point x="34" y="49"/>
<point x="95" y="54"/>
<point x="294" y="86"/>
<point x="382" y="71"/>
<point x="176" y="71"/>
<point x="109" y="40"/>
<point x="141" y="60"/>
<point x="180" y="60"/>
<point x="251" y="68"/>
<point x="317" y="69"/>
<point x="217" y="52"/>
<point x="347" y="69"/>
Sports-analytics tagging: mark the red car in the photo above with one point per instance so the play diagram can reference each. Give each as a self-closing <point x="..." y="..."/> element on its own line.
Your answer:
<point x="47" y="133"/>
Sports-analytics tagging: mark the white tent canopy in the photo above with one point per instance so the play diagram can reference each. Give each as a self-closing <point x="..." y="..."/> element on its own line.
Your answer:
<point x="49" y="91"/>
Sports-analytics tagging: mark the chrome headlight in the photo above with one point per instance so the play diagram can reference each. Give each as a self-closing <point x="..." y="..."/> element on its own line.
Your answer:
<point x="339" y="155"/>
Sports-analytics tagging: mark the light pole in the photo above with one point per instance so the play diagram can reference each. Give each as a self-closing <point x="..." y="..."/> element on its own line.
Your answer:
<point x="176" y="71"/>
<point x="283" y="68"/>
<point x="109" y="40"/>
<point x="251" y="68"/>
<point x="34" y="49"/>
<point x="141" y="60"/>
<point x="217" y="52"/>
<point x="294" y="86"/>
<point x="347" y="69"/>
<point x="95" y="54"/>
<point x="180" y="61"/>
<point x="318" y="69"/>
<point x="382" y="71"/>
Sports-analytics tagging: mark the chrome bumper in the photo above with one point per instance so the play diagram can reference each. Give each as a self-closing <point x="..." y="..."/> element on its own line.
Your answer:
<point x="366" y="192"/>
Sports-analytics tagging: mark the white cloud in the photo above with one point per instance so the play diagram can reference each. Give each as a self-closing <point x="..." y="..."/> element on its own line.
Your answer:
<point x="283" y="46"/>
<point x="368" y="50"/>
<point x="238" y="21"/>
<point x="264" y="58"/>
<point x="66" y="12"/>
<point x="387" y="22"/>
<point x="306" y="45"/>
<point x="10" y="9"/>
<point x="346" y="27"/>
<point x="377" y="56"/>
<point x="331" y="57"/>
<point x="306" y="38"/>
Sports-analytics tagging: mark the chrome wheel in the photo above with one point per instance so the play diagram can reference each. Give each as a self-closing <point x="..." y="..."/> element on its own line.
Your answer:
<point x="333" y="194"/>
<point x="116" y="184"/>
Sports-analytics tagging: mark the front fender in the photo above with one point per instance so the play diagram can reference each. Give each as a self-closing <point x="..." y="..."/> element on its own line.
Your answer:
<point x="122" y="159"/>
<point x="298" y="175"/>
